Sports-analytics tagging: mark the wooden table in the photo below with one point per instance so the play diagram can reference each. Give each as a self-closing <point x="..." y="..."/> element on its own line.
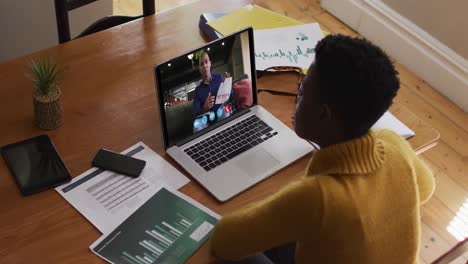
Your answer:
<point x="109" y="101"/>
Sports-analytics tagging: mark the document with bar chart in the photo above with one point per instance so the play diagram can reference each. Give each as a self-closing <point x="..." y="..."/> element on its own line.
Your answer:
<point x="168" y="228"/>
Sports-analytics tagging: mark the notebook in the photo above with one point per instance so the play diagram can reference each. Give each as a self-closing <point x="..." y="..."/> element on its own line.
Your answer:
<point x="251" y="16"/>
<point x="230" y="146"/>
<point x="208" y="31"/>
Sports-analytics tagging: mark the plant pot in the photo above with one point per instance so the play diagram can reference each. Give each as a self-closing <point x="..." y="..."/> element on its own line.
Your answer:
<point x="48" y="108"/>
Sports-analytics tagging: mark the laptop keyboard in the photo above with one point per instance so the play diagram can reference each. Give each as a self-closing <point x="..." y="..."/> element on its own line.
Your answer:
<point x="230" y="142"/>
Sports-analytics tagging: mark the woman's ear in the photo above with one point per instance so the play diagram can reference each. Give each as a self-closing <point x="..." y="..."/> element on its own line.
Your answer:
<point x="325" y="112"/>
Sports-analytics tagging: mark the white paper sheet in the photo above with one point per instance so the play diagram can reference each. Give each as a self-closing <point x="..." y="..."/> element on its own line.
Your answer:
<point x="286" y="46"/>
<point x="389" y="121"/>
<point x="106" y="198"/>
<point x="224" y="91"/>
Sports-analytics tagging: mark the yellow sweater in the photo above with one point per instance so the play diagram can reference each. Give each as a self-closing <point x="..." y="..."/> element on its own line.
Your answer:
<point x="358" y="203"/>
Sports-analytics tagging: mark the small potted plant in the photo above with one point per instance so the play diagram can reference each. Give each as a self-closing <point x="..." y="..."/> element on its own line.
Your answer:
<point x="46" y="94"/>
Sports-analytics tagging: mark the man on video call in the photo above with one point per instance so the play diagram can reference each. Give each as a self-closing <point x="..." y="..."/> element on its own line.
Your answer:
<point x="206" y="91"/>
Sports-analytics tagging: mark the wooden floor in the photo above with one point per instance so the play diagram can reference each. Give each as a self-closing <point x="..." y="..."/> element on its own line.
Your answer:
<point x="448" y="160"/>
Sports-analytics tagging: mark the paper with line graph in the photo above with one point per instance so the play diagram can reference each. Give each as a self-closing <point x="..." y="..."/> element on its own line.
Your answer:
<point x="224" y="91"/>
<point x="286" y="46"/>
<point x="168" y="228"/>
<point x="106" y="198"/>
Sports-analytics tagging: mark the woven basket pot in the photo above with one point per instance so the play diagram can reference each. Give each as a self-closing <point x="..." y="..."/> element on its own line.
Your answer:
<point x="48" y="108"/>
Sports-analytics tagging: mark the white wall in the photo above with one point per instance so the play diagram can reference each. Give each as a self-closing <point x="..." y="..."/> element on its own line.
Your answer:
<point x="29" y="25"/>
<point x="445" y="20"/>
<point x="425" y="55"/>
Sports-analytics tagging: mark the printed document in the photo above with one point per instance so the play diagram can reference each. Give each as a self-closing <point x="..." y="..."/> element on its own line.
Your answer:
<point x="292" y="46"/>
<point x="389" y="121"/>
<point x="107" y="198"/>
<point x="168" y="228"/>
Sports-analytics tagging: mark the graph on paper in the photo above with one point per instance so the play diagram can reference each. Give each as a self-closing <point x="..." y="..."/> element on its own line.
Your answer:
<point x="166" y="229"/>
<point x="293" y="56"/>
<point x="286" y="46"/>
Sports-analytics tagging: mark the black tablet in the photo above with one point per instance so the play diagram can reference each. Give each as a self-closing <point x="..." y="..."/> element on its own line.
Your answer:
<point x="35" y="164"/>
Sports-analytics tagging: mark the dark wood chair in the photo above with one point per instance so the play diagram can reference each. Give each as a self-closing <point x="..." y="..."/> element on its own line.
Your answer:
<point x="62" y="7"/>
<point x="454" y="253"/>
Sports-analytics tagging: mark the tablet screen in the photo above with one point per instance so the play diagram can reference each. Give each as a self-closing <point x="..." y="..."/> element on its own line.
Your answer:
<point x="35" y="164"/>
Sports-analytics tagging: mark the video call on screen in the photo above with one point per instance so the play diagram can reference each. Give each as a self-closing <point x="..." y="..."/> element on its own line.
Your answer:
<point x="206" y="86"/>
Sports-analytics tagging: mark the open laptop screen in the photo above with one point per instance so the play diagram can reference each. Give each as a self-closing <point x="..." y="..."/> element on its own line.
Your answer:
<point x="206" y="87"/>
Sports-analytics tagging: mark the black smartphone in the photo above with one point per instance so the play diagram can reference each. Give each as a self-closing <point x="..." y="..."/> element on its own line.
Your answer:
<point x="120" y="163"/>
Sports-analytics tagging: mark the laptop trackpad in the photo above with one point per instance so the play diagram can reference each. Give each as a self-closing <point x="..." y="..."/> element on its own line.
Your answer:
<point x="254" y="163"/>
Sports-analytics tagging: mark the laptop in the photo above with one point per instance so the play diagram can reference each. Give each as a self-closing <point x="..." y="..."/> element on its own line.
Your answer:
<point x="212" y="124"/>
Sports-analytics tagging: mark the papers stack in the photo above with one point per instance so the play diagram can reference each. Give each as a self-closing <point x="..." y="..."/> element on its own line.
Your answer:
<point x="280" y="41"/>
<point x="144" y="219"/>
<point x="107" y="198"/>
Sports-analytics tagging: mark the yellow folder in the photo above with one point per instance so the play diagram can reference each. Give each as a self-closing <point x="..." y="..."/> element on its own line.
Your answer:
<point x="251" y="15"/>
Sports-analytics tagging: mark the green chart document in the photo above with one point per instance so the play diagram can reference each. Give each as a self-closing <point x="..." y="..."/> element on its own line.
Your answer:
<point x="168" y="228"/>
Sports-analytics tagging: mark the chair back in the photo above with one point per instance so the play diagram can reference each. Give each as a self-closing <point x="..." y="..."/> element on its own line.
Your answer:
<point x="458" y="250"/>
<point x="62" y="7"/>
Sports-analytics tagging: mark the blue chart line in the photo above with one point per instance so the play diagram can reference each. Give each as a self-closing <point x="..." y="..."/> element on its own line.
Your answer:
<point x="293" y="56"/>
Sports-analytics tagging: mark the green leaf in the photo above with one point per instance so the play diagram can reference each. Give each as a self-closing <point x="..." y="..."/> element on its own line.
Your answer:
<point x="46" y="67"/>
<point x="44" y="73"/>
<point x="53" y="74"/>
<point x="40" y="70"/>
